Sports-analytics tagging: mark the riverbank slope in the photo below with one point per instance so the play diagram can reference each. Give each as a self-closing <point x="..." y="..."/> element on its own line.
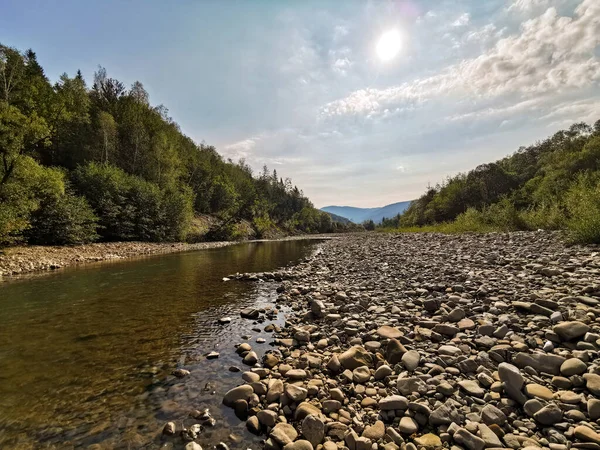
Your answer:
<point x="21" y="260"/>
<point x="427" y="341"/>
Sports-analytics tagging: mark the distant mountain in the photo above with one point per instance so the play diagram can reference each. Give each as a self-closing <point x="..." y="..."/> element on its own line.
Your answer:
<point x="359" y="215"/>
<point x="339" y="219"/>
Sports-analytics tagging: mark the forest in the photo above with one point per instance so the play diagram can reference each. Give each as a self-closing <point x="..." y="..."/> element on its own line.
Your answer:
<point x="80" y="164"/>
<point x="553" y="184"/>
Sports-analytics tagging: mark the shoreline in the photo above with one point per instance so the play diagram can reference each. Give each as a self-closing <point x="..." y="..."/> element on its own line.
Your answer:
<point x="29" y="260"/>
<point x="413" y="341"/>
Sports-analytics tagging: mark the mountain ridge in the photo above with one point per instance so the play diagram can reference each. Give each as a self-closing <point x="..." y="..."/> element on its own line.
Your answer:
<point x="376" y="214"/>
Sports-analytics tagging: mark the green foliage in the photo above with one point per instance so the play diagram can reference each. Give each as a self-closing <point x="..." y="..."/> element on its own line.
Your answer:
<point x="262" y="225"/>
<point x="537" y="187"/>
<point x="544" y="217"/>
<point x="20" y="135"/>
<point x="369" y="225"/>
<point x="24" y="191"/>
<point x="143" y="178"/>
<point x="130" y="208"/>
<point x="223" y="196"/>
<point x="310" y="220"/>
<point x="583" y="203"/>
<point x="64" y="220"/>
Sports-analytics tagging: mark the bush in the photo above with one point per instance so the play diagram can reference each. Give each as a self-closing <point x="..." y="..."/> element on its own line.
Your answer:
<point x="223" y="196"/>
<point x="583" y="205"/>
<point x="546" y="217"/>
<point x="63" y="220"/>
<point x="501" y="216"/>
<point x="262" y="225"/>
<point x="130" y="208"/>
<point x="178" y="212"/>
<point x="368" y="225"/>
<point x="29" y="185"/>
<point x="228" y="231"/>
<point x="311" y="220"/>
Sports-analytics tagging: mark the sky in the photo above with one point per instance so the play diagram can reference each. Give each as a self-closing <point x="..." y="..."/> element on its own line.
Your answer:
<point x="310" y="89"/>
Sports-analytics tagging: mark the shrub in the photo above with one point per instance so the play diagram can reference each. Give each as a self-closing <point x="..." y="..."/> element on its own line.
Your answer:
<point x="368" y="225"/>
<point x="311" y="220"/>
<point x="129" y="207"/>
<point x="583" y="205"/>
<point x="178" y="212"/>
<point x="262" y="224"/>
<point x="29" y="185"/>
<point x="500" y="216"/>
<point x="228" y="231"/>
<point x="545" y="217"/>
<point x="63" y="220"/>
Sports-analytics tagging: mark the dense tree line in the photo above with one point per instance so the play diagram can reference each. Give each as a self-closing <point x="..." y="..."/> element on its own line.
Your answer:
<point x="553" y="184"/>
<point x="80" y="163"/>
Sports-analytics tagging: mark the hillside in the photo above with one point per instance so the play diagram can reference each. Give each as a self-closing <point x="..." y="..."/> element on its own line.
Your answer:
<point x="339" y="219"/>
<point x="552" y="184"/>
<point x="79" y="164"/>
<point x="360" y="215"/>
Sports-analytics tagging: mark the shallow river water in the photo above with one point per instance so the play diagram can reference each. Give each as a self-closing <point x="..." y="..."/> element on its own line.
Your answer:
<point x="86" y="353"/>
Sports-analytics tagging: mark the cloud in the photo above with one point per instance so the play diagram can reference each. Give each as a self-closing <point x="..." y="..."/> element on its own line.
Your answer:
<point x="527" y="6"/>
<point x="461" y="95"/>
<point x="341" y="66"/>
<point x="462" y="21"/>
<point x="339" y="32"/>
<point x="550" y="53"/>
<point x="564" y="114"/>
<point x="499" y="111"/>
<point x="241" y="149"/>
<point x="484" y="34"/>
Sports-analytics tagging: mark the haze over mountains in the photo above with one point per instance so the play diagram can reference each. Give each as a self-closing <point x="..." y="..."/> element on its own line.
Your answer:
<point x="360" y="215"/>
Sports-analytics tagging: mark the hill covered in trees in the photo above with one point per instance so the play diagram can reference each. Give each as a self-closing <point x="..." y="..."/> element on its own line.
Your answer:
<point x="81" y="163"/>
<point x="553" y="184"/>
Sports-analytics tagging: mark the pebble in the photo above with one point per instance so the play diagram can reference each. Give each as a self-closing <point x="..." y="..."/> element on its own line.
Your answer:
<point x="408" y="425"/>
<point x="410" y="342"/>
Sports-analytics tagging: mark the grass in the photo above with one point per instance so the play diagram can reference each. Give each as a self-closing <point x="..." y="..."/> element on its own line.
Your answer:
<point x="579" y="216"/>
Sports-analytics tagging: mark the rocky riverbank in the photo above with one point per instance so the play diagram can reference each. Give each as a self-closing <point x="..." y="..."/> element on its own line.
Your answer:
<point x="37" y="258"/>
<point x="430" y="341"/>
<point x="26" y="259"/>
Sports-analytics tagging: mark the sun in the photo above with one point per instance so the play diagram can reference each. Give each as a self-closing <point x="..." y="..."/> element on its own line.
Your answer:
<point x="389" y="45"/>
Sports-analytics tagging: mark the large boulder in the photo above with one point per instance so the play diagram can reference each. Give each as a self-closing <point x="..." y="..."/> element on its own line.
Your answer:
<point x="394" y="351"/>
<point x="250" y="313"/>
<point x="540" y="361"/>
<point x="313" y="429"/>
<point x="355" y="357"/>
<point x="387" y="332"/>
<point x="305" y="409"/>
<point x="407" y="386"/>
<point x="569" y="331"/>
<point x="243" y="392"/>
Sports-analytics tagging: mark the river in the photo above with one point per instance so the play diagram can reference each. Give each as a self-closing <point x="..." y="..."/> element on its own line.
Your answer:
<point x="86" y="353"/>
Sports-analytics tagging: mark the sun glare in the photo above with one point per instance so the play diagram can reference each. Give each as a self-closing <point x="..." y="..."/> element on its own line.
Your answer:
<point x="389" y="45"/>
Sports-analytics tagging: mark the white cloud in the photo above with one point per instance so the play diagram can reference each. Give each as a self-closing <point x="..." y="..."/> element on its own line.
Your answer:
<point x="492" y="112"/>
<point x="462" y="20"/>
<point x="568" y="112"/>
<point x="241" y="149"/>
<point x="527" y="6"/>
<point x="341" y="66"/>
<point x="550" y="53"/>
<point x="484" y="34"/>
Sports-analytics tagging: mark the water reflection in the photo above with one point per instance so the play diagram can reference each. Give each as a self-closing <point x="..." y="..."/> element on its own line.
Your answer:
<point x="85" y="353"/>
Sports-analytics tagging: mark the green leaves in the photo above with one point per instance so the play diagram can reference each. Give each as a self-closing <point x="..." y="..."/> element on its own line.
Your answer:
<point x="130" y="208"/>
<point x="537" y="187"/>
<point x="140" y="175"/>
